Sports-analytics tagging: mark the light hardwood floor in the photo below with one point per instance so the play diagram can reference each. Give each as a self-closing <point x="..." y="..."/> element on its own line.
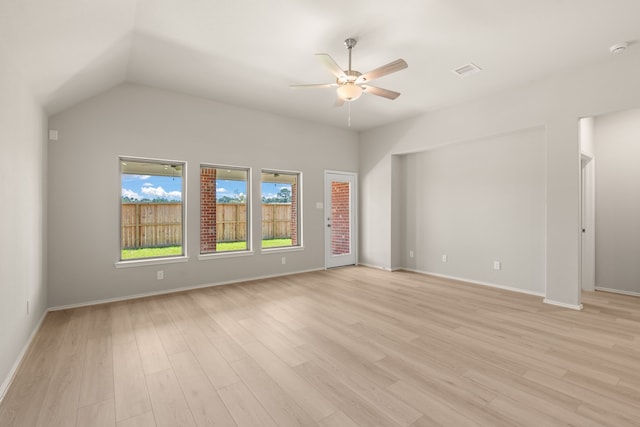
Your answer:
<point x="347" y="347"/>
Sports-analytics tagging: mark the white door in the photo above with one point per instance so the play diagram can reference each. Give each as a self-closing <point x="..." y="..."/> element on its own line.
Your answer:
<point x="340" y="219"/>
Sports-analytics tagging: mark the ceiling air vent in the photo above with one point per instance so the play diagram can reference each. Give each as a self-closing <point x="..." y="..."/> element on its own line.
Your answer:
<point x="467" y="70"/>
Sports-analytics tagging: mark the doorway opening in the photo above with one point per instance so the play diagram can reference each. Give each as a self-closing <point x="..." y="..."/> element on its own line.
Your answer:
<point x="610" y="206"/>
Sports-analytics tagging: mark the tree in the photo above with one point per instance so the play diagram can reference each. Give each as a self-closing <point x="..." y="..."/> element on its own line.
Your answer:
<point x="284" y="195"/>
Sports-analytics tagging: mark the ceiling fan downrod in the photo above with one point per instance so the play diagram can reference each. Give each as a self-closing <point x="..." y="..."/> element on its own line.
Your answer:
<point x="350" y="43"/>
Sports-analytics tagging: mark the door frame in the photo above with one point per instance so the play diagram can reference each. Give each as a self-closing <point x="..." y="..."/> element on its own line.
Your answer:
<point x="587" y="222"/>
<point x="327" y="216"/>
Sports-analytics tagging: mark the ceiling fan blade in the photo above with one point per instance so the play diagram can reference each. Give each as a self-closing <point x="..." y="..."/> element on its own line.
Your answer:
<point x="385" y="93"/>
<point x="391" y="67"/>
<point x="339" y="102"/>
<point x="311" y="86"/>
<point x="331" y="65"/>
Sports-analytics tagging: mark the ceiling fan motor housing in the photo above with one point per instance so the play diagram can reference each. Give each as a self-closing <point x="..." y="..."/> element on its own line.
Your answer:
<point x="349" y="76"/>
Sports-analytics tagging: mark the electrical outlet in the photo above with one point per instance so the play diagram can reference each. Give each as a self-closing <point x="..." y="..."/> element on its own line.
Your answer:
<point x="284" y="260"/>
<point x="160" y="275"/>
<point x="444" y="258"/>
<point x="496" y="265"/>
<point x="410" y="254"/>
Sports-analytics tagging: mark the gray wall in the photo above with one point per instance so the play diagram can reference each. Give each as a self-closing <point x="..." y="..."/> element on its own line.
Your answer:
<point x="587" y="143"/>
<point x="478" y="202"/>
<point x="22" y="256"/>
<point x="84" y="186"/>
<point x="617" y="151"/>
<point x="556" y="104"/>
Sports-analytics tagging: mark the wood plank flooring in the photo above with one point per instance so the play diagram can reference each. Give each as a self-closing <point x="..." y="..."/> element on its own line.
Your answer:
<point x="347" y="347"/>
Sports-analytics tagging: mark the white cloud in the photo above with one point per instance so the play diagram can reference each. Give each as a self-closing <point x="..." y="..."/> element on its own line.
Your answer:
<point x="221" y="190"/>
<point x="147" y="184"/>
<point x="159" y="192"/>
<point x="130" y="194"/>
<point x="144" y="177"/>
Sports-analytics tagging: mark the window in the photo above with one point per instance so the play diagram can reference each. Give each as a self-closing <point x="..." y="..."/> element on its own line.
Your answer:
<point x="280" y="209"/>
<point x="151" y="209"/>
<point x="224" y="209"/>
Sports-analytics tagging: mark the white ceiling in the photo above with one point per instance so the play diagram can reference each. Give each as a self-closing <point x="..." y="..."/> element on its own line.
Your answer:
<point x="247" y="52"/>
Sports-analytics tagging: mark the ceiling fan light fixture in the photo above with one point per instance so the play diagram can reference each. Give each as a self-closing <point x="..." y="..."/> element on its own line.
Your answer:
<point x="349" y="91"/>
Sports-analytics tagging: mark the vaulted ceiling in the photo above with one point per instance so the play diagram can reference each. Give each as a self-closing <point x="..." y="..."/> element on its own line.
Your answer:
<point x="247" y="52"/>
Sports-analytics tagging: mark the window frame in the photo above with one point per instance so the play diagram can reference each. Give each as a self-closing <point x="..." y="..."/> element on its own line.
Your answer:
<point x="299" y="211"/>
<point x="249" y="229"/>
<point x="133" y="262"/>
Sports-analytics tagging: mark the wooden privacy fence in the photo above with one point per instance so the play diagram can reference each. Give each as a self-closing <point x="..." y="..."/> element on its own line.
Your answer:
<point x="276" y="221"/>
<point x="146" y="225"/>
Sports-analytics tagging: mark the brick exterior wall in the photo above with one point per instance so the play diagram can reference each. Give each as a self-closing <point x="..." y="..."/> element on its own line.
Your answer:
<point x="208" y="202"/>
<point x="294" y="214"/>
<point x="340" y="233"/>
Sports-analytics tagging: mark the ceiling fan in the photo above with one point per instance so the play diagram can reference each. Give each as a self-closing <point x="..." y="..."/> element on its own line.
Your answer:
<point x="351" y="83"/>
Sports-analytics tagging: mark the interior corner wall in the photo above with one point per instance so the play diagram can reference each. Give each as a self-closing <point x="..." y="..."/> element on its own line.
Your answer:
<point x="398" y="213"/>
<point x="138" y="121"/>
<point x="556" y="103"/>
<point x="617" y="182"/>
<point x="22" y="191"/>
<point x="479" y="202"/>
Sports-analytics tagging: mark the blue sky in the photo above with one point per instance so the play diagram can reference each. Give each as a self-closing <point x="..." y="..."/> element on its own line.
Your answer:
<point x="153" y="187"/>
<point x="230" y="188"/>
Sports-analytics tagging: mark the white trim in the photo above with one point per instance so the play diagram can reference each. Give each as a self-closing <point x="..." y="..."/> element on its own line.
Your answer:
<point x="476" y="282"/>
<point x="587" y="222"/>
<point x="618" y="291"/>
<point x="578" y="307"/>
<point x="174" y="290"/>
<point x="150" y="261"/>
<point x="281" y="249"/>
<point x="14" y="369"/>
<point x="378" y="267"/>
<point x="225" y="254"/>
<point x="354" y="203"/>
<point x="299" y="201"/>
<point x="545" y="127"/>
<point x="183" y="201"/>
<point x="249" y="210"/>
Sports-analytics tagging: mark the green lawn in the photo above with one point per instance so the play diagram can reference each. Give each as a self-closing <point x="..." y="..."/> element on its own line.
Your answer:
<point x="177" y="250"/>
<point x="151" y="252"/>
<point x="274" y="243"/>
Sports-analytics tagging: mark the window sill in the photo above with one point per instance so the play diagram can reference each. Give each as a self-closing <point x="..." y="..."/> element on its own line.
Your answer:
<point x="282" y="249"/>
<point x="218" y="255"/>
<point x="151" y="261"/>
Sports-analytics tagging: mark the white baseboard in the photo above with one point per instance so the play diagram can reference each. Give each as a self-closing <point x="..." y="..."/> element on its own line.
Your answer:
<point x="379" y="267"/>
<point x="563" y="304"/>
<point x="618" y="291"/>
<point x="173" y="290"/>
<point x="476" y="282"/>
<point x="14" y="369"/>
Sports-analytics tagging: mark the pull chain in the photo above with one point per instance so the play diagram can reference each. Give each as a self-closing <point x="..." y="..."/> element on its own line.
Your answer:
<point x="349" y="118"/>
